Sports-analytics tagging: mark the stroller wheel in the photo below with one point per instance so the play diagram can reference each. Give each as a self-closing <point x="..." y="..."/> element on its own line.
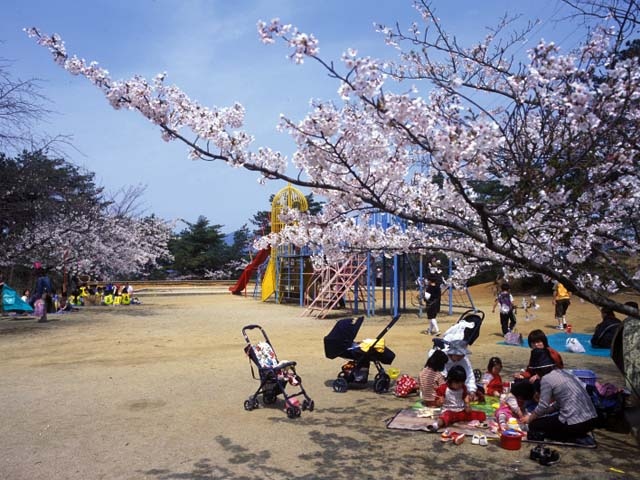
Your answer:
<point x="381" y="384"/>
<point x="248" y="405"/>
<point x="293" y="412"/>
<point x="308" y="405"/>
<point x="340" y="385"/>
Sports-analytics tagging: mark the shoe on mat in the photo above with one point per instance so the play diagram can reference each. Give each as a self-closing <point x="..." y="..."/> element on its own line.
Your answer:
<point x="586" y="441"/>
<point x="483" y="442"/>
<point x="433" y="427"/>
<point x="458" y="438"/>
<point x="475" y="440"/>
<point x="446" y="436"/>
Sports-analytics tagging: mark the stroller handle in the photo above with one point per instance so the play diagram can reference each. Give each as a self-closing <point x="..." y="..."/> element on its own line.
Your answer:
<point x="253" y="326"/>
<point x="250" y="327"/>
<point x="386" y="329"/>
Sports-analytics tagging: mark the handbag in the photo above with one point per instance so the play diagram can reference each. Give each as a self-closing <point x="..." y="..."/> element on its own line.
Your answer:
<point x="405" y="386"/>
<point x="573" y="345"/>
<point x="513" y="338"/>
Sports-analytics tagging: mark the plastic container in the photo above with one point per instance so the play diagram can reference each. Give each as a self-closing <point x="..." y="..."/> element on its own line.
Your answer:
<point x="587" y="376"/>
<point x="393" y="373"/>
<point x="511" y="440"/>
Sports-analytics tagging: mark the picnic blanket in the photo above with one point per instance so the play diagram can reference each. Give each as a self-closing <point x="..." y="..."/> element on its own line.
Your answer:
<point x="557" y="342"/>
<point x="408" y="419"/>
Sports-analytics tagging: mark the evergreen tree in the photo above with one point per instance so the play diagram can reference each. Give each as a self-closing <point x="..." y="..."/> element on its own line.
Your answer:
<point x="199" y="248"/>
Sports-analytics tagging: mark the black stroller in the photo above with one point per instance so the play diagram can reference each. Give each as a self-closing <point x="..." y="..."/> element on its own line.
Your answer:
<point x="340" y="343"/>
<point x="274" y="376"/>
<point x="470" y="330"/>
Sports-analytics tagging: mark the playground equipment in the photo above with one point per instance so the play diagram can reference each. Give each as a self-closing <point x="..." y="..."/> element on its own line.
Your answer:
<point x="248" y="272"/>
<point x="354" y="281"/>
<point x="288" y="268"/>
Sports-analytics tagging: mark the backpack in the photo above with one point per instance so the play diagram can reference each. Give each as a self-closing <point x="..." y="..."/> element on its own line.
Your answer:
<point x="504" y="299"/>
<point x="608" y="407"/>
<point x="405" y="386"/>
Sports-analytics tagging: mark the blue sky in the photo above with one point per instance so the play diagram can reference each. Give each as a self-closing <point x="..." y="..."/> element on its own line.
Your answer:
<point x="210" y="49"/>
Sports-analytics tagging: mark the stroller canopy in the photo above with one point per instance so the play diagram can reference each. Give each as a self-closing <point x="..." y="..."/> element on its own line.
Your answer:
<point x="341" y="337"/>
<point x="11" y="301"/>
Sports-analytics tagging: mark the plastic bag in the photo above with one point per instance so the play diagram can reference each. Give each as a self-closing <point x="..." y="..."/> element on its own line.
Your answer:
<point x="513" y="338"/>
<point x="573" y="345"/>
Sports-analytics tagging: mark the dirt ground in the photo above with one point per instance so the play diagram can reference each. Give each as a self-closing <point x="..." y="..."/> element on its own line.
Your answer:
<point x="156" y="391"/>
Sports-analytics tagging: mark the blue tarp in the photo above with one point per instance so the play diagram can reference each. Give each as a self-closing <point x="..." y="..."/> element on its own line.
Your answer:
<point x="11" y="301"/>
<point x="558" y="340"/>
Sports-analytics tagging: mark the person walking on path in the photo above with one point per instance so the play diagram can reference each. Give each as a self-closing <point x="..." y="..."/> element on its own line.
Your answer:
<point x="507" y="309"/>
<point x="561" y="301"/>
<point x="433" y="296"/>
<point x="43" y="289"/>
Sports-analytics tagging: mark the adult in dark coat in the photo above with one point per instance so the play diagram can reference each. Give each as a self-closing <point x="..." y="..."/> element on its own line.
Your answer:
<point x="606" y="329"/>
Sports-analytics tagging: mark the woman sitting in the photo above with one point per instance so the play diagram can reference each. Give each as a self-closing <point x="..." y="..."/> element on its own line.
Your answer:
<point x="538" y="339"/>
<point x="563" y="393"/>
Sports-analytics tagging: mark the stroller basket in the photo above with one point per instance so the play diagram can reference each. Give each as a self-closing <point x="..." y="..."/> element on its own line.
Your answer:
<point x="274" y="376"/>
<point x="340" y="342"/>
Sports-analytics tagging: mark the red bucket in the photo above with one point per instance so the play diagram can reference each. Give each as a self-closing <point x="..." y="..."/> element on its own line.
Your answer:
<point x="511" y="440"/>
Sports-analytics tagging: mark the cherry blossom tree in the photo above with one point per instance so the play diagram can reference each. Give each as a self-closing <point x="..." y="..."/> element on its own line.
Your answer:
<point x="531" y="164"/>
<point x="53" y="213"/>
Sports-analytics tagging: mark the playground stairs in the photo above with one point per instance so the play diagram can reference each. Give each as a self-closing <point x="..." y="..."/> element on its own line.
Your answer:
<point x="335" y="284"/>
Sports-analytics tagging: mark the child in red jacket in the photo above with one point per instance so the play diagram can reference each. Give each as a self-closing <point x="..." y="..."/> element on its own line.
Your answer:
<point x="454" y="399"/>
<point x="491" y="380"/>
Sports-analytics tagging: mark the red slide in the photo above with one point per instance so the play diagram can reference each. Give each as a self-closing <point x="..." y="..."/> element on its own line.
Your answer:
<point x="258" y="260"/>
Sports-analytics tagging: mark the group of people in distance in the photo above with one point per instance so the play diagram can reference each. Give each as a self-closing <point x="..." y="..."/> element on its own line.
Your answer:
<point x="543" y="399"/>
<point x="604" y="331"/>
<point x="44" y="298"/>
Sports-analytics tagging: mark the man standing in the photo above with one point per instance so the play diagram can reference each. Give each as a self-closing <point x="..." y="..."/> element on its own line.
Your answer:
<point x="561" y="300"/>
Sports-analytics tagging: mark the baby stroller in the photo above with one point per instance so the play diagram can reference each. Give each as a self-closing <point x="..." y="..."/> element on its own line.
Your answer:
<point x="274" y="376"/>
<point x="340" y="343"/>
<point x="467" y="328"/>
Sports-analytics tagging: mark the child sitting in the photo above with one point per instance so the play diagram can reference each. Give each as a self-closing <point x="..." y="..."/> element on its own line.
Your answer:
<point x="431" y="377"/>
<point x="491" y="380"/>
<point x="458" y="354"/>
<point x="510" y="404"/>
<point x="453" y="397"/>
